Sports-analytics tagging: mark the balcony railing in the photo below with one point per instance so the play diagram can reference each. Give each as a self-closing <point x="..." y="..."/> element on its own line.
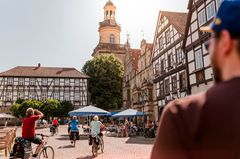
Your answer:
<point x="109" y="46"/>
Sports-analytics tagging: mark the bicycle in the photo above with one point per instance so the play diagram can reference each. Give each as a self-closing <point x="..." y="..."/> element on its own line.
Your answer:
<point x="24" y="149"/>
<point x="74" y="136"/>
<point x="97" y="143"/>
<point x="54" y="130"/>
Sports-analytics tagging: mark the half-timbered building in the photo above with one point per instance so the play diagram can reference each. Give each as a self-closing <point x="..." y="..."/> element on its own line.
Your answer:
<point x="25" y="82"/>
<point x="201" y="12"/>
<point x="170" y="75"/>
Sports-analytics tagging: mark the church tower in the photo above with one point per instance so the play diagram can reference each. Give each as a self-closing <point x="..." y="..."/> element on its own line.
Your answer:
<point x="109" y="30"/>
<point x="109" y="34"/>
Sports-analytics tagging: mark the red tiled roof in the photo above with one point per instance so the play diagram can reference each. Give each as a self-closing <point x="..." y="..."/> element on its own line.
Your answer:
<point x="177" y="19"/>
<point x="135" y="54"/>
<point x="30" y="71"/>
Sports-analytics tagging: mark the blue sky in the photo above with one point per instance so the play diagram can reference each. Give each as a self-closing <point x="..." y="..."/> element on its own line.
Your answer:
<point x="63" y="33"/>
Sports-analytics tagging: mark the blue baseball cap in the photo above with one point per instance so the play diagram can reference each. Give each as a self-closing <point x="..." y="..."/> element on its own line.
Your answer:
<point x="227" y="18"/>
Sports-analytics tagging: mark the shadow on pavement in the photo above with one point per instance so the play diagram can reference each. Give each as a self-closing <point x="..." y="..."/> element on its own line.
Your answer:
<point x="140" y="140"/>
<point x="67" y="146"/>
<point x="66" y="137"/>
<point x="87" y="157"/>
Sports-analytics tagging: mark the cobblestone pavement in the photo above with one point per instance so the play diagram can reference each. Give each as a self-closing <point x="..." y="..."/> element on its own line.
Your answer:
<point x="115" y="147"/>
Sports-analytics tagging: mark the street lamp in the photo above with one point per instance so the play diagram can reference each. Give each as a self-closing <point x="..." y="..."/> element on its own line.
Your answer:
<point x="143" y="99"/>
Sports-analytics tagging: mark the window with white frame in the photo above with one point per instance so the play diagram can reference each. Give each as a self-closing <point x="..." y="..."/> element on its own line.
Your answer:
<point x="201" y="17"/>
<point x="170" y="61"/>
<point x="162" y="66"/>
<point x="76" y="82"/>
<point x="168" y="36"/>
<point x="174" y="83"/>
<point x="112" y="39"/>
<point x="10" y="81"/>
<point x="44" y="95"/>
<point x="44" y="82"/>
<point x="32" y="81"/>
<point x="161" y="93"/>
<point x="66" y="96"/>
<point x="32" y="95"/>
<point x="66" y="82"/>
<point x="8" y="96"/>
<point x="167" y="86"/>
<point x="21" y="81"/>
<point x="157" y="69"/>
<point x="198" y="59"/>
<point x="20" y="95"/>
<point x="210" y="10"/>
<point x="56" y="82"/>
<point x="182" y="80"/>
<point x="161" y="43"/>
<point x="178" y="55"/>
<point x="77" y="96"/>
<point x="56" y="95"/>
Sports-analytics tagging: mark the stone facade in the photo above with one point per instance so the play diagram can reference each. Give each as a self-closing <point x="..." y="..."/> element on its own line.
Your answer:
<point x="138" y="90"/>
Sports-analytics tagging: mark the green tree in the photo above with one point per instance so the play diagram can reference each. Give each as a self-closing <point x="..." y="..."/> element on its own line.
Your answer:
<point x="65" y="107"/>
<point x="50" y="108"/>
<point x="19" y="109"/>
<point x="105" y="86"/>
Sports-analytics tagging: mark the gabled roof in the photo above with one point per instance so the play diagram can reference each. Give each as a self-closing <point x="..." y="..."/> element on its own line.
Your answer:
<point x="150" y="46"/>
<point x="38" y="71"/>
<point x="135" y="54"/>
<point x="177" y="19"/>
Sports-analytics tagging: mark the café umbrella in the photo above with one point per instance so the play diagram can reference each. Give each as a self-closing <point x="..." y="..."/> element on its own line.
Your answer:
<point x="88" y="111"/>
<point x="129" y="113"/>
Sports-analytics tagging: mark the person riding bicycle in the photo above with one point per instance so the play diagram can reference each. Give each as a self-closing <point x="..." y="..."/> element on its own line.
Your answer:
<point x="28" y="127"/>
<point x="95" y="127"/>
<point x="55" y="124"/>
<point x="74" y="128"/>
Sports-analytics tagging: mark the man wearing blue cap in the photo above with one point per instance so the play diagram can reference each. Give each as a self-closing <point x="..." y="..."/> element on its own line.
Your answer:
<point x="207" y="125"/>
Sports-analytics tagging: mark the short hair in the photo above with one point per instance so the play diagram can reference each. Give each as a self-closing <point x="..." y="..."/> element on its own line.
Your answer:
<point x="74" y="117"/>
<point x="235" y="36"/>
<point x="95" y="118"/>
<point x="29" y="112"/>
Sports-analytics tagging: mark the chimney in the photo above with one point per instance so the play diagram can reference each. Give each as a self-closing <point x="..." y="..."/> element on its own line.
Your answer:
<point x="39" y="64"/>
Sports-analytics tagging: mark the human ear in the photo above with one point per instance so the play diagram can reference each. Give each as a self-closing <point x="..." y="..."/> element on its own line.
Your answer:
<point x="225" y="43"/>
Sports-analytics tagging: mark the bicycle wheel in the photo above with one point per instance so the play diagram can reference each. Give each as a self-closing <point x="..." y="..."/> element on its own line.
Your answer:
<point x="46" y="152"/>
<point x="94" y="149"/>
